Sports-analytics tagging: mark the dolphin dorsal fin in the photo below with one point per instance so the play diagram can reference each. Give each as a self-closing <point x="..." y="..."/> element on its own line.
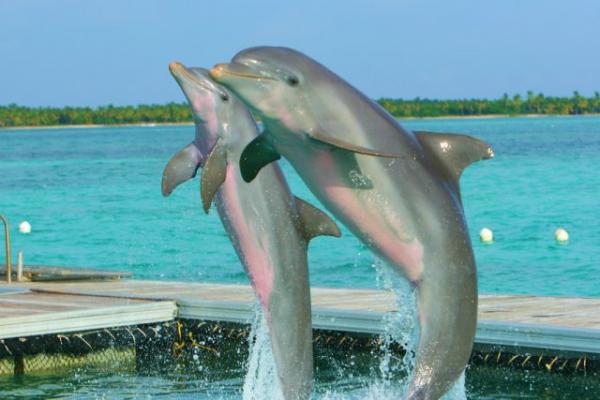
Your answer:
<point x="315" y="222"/>
<point x="258" y="153"/>
<point x="214" y="173"/>
<point x="454" y="152"/>
<point x="180" y="168"/>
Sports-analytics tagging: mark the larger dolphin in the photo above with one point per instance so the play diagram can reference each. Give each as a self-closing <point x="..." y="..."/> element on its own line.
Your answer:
<point x="396" y="190"/>
<point x="268" y="227"/>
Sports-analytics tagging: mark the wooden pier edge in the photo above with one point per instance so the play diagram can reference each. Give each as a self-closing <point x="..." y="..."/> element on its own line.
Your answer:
<point x="574" y="329"/>
<point x="525" y="337"/>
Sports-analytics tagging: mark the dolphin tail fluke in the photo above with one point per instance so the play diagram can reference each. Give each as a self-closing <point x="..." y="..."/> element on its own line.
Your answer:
<point x="180" y="168"/>
<point x="213" y="175"/>
<point x="455" y="152"/>
<point x="315" y="222"/>
<point x="258" y="153"/>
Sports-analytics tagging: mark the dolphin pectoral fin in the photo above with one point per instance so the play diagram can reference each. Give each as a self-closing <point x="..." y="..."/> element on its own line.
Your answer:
<point x="342" y="144"/>
<point x="454" y="152"/>
<point x="180" y="168"/>
<point x="315" y="222"/>
<point x="258" y="153"/>
<point x="213" y="175"/>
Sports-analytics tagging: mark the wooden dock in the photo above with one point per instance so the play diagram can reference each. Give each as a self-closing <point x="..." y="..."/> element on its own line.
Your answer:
<point x="563" y="326"/>
<point x="29" y="313"/>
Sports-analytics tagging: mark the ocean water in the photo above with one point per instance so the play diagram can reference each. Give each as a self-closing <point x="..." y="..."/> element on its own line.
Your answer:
<point x="92" y="384"/>
<point x="93" y="199"/>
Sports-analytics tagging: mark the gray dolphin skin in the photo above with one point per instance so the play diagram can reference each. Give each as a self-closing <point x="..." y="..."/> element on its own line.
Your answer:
<point x="396" y="190"/>
<point x="268" y="227"/>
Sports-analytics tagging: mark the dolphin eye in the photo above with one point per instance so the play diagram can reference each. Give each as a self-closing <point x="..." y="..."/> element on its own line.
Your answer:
<point x="224" y="97"/>
<point x="292" y="81"/>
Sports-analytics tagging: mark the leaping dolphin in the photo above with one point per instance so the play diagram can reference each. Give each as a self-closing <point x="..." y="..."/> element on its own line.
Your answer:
<point x="268" y="227"/>
<point x="396" y="190"/>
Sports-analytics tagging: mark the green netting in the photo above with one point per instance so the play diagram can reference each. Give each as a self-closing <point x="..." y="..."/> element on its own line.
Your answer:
<point x="113" y="358"/>
<point x="110" y="357"/>
<point x="7" y="366"/>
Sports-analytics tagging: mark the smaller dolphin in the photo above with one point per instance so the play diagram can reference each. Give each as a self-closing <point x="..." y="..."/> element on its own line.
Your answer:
<point x="268" y="227"/>
<point x="396" y="190"/>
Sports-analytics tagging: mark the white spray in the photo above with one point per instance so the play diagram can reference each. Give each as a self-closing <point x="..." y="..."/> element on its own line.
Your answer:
<point x="261" y="380"/>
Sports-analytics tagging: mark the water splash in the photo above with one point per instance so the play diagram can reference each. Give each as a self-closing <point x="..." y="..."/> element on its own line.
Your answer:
<point x="399" y="327"/>
<point x="387" y="380"/>
<point x="261" y="381"/>
<point x="458" y="390"/>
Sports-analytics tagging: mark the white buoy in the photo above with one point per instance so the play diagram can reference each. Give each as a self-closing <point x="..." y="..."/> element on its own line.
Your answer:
<point x="486" y="235"/>
<point x="561" y="235"/>
<point x="25" y="227"/>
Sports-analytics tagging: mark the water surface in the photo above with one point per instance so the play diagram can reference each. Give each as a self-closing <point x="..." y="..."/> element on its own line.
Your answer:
<point x="93" y="199"/>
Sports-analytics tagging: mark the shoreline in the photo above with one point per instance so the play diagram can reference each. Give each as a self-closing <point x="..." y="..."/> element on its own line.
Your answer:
<point x="166" y="124"/>
<point x="94" y="126"/>
<point x="492" y="116"/>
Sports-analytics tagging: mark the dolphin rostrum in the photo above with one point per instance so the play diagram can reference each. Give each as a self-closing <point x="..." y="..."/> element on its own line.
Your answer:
<point x="396" y="190"/>
<point x="268" y="227"/>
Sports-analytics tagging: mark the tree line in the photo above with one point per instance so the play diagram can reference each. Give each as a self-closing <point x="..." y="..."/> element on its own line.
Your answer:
<point x="13" y="115"/>
<point x="506" y="105"/>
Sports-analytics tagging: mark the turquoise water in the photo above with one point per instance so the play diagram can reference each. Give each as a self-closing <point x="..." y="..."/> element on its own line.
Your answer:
<point x="91" y="384"/>
<point x="93" y="199"/>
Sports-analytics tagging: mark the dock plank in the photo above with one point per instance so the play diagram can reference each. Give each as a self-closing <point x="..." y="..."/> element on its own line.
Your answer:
<point x="41" y="313"/>
<point x="560" y="323"/>
<point x="561" y="311"/>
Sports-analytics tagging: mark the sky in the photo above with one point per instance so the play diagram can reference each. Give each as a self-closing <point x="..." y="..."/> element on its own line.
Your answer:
<point x="90" y="53"/>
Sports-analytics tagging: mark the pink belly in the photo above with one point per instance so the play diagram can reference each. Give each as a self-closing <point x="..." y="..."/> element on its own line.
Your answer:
<point x="371" y="225"/>
<point x="252" y="248"/>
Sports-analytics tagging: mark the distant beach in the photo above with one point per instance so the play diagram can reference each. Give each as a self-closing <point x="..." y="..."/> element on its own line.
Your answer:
<point x="166" y="124"/>
<point x="491" y="116"/>
<point x="92" y="126"/>
<point x="532" y="105"/>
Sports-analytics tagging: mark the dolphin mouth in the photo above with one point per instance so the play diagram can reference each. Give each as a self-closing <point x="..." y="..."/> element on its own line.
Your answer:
<point x="180" y="72"/>
<point x="235" y="69"/>
<point x="184" y="75"/>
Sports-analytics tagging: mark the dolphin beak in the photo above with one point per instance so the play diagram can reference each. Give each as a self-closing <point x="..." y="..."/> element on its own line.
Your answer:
<point x="174" y="66"/>
<point x="184" y="75"/>
<point x="217" y="71"/>
<point x="178" y="70"/>
<point x="234" y="69"/>
<point x="181" y="73"/>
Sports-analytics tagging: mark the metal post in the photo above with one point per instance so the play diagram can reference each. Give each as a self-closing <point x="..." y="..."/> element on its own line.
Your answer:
<point x="7" y="241"/>
<point x="20" y="266"/>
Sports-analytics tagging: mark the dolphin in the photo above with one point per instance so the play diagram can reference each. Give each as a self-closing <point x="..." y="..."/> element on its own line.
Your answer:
<point x="269" y="228"/>
<point x="396" y="190"/>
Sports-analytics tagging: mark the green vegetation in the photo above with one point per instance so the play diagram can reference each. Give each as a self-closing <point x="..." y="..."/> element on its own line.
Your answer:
<point x="506" y="105"/>
<point x="13" y="115"/>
